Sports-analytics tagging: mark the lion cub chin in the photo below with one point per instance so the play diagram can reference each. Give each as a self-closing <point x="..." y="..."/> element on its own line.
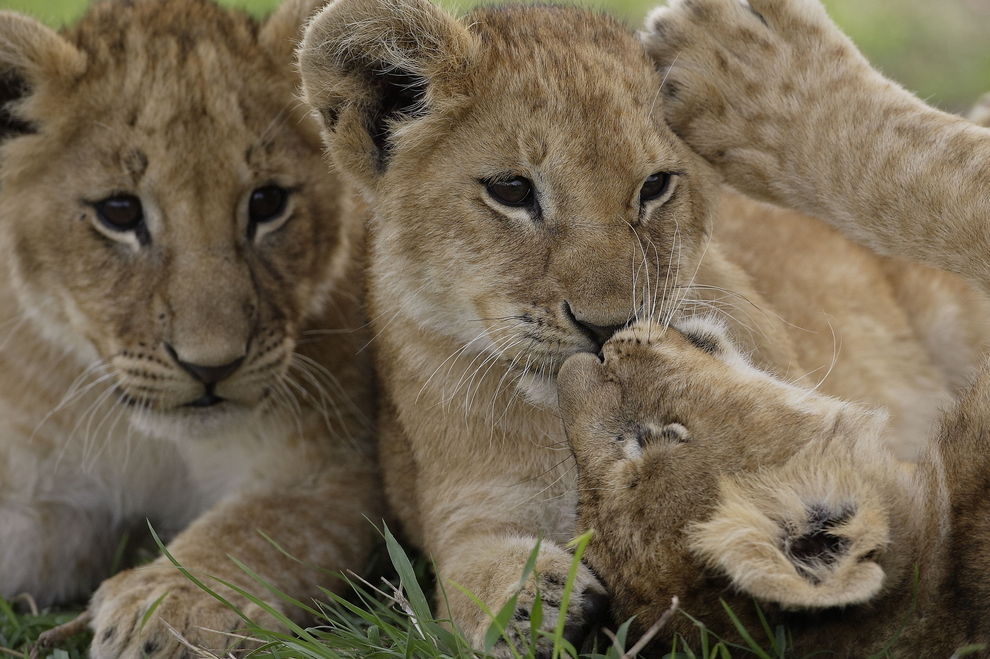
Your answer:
<point x="177" y="308"/>
<point x="707" y="479"/>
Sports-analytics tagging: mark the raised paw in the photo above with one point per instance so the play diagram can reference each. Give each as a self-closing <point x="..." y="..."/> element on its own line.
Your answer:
<point x="810" y="535"/>
<point x="157" y="612"/>
<point x="737" y="73"/>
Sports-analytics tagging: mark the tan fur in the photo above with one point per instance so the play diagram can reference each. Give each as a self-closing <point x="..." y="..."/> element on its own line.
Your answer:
<point x="778" y="498"/>
<point x="190" y="107"/>
<point x="783" y="104"/>
<point x="475" y="304"/>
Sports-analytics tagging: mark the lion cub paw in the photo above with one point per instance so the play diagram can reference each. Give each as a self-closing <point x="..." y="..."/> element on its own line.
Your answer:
<point x="497" y="580"/>
<point x="738" y="73"/>
<point x="184" y="617"/>
<point x="586" y="607"/>
<point x="804" y="538"/>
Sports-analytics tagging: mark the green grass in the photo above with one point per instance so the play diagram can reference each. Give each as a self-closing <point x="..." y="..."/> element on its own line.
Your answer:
<point x="21" y="624"/>
<point x="395" y="619"/>
<point x="938" y="49"/>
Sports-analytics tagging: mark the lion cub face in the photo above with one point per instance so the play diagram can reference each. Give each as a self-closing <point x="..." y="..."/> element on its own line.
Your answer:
<point x="164" y="206"/>
<point x="530" y="199"/>
<point x="692" y="462"/>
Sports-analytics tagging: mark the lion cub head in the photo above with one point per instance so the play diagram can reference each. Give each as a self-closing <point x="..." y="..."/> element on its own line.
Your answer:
<point x="529" y="198"/>
<point x="164" y="210"/>
<point x="706" y="478"/>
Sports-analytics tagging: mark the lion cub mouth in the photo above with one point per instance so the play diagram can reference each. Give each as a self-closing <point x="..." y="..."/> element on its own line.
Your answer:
<point x="206" y="401"/>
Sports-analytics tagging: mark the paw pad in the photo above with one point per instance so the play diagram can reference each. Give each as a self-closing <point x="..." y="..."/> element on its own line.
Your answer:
<point x="818" y="547"/>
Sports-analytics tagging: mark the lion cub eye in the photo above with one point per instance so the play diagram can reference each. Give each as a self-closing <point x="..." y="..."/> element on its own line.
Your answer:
<point x="515" y="192"/>
<point x="655" y="186"/>
<point x="120" y="212"/>
<point x="267" y="204"/>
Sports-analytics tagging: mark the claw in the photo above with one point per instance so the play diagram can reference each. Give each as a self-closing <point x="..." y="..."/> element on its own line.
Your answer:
<point x="594" y="610"/>
<point x="53" y="637"/>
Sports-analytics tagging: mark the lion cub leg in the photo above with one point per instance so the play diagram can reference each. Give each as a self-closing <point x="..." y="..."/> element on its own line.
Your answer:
<point x="38" y="536"/>
<point x="491" y="568"/>
<point x="482" y="536"/>
<point x="318" y="520"/>
<point x="785" y="106"/>
<point x="806" y="535"/>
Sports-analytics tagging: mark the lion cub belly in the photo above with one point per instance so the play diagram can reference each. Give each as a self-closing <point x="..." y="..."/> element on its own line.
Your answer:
<point x="856" y="319"/>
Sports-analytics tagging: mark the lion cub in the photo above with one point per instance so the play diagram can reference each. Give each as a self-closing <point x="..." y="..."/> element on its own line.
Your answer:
<point x="177" y="343"/>
<point x="529" y="200"/>
<point x="708" y="479"/>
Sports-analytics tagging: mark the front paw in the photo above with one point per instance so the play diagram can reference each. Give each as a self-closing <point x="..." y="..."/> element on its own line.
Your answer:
<point x="586" y="605"/>
<point x="157" y="612"/>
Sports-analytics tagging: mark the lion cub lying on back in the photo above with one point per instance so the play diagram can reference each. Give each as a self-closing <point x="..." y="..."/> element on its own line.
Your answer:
<point x="706" y="479"/>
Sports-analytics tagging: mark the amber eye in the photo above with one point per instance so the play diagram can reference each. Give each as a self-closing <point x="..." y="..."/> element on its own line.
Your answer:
<point x="267" y="204"/>
<point x="655" y="187"/>
<point x="516" y="191"/>
<point x="120" y="212"/>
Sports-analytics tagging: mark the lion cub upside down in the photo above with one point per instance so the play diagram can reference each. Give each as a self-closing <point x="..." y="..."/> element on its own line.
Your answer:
<point x="708" y="479"/>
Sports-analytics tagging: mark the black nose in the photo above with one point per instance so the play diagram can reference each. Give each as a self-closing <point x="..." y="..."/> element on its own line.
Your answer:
<point x="600" y="334"/>
<point x="208" y="375"/>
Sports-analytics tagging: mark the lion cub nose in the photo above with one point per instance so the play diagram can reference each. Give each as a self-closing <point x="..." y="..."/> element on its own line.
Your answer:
<point x="207" y="374"/>
<point x="599" y="334"/>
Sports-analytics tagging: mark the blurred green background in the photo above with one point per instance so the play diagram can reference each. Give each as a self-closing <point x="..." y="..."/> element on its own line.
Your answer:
<point x="937" y="48"/>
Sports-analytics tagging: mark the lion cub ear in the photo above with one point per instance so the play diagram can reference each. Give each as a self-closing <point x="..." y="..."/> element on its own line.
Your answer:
<point x="370" y="66"/>
<point x="31" y="55"/>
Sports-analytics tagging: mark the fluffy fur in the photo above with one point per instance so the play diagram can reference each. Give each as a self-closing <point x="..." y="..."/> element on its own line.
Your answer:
<point x="476" y="304"/>
<point x="190" y="108"/>
<point x="785" y="106"/>
<point x="777" y="501"/>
